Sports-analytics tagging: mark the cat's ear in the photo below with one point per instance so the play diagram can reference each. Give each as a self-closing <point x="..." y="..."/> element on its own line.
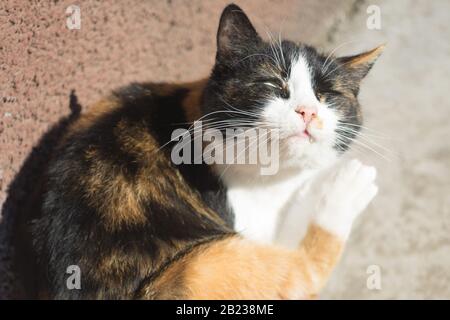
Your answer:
<point x="236" y="33"/>
<point x="359" y="65"/>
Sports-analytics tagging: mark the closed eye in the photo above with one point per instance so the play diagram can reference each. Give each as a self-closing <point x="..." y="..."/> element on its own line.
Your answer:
<point x="271" y="84"/>
<point x="277" y="84"/>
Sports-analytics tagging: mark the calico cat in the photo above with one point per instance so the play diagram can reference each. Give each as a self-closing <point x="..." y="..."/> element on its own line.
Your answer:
<point x="139" y="226"/>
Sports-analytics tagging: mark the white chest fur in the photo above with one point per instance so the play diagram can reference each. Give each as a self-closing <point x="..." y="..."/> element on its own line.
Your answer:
<point x="259" y="205"/>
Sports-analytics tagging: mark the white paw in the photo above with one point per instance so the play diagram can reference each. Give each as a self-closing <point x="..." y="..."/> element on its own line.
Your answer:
<point x="344" y="195"/>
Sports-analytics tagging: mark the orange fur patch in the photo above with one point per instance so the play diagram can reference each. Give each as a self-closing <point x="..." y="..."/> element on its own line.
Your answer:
<point x="95" y="111"/>
<point x="367" y="57"/>
<point x="236" y="268"/>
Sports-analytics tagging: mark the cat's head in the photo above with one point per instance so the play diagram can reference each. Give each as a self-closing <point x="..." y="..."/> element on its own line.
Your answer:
<point x="308" y="98"/>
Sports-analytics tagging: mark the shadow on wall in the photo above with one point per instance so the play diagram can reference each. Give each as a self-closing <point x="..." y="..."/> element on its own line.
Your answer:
<point x="18" y="269"/>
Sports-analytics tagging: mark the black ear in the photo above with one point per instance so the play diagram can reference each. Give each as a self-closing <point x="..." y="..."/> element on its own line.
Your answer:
<point x="359" y="65"/>
<point x="236" y="32"/>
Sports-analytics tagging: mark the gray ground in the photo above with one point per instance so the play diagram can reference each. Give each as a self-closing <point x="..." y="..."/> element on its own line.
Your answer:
<point x="406" y="230"/>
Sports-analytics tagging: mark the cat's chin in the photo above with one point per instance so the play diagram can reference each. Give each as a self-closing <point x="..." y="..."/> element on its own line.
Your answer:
<point x="302" y="153"/>
<point x="306" y="163"/>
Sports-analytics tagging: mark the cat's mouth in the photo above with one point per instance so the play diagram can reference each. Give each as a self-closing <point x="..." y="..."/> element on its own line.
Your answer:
<point x="307" y="134"/>
<point x="303" y="135"/>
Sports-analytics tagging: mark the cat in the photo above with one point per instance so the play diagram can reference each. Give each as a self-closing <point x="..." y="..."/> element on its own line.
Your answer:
<point x="139" y="226"/>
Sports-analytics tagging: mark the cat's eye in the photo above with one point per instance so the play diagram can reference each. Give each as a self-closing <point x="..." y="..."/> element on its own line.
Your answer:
<point x="284" y="93"/>
<point x="271" y="84"/>
<point x="277" y="84"/>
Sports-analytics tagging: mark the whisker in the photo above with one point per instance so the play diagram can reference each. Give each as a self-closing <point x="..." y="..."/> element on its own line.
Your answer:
<point x="360" y="126"/>
<point x="245" y="150"/>
<point x="325" y="66"/>
<point x="368" y="141"/>
<point x="253" y="55"/>
<point x="365" y="145"/>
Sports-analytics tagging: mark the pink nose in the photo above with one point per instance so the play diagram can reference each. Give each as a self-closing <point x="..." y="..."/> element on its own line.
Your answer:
<point x="307" y="113"/>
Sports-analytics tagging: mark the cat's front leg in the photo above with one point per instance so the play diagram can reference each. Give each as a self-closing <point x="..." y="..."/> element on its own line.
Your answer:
<point x="334" y="198"/>
<point x="343" y="196"/>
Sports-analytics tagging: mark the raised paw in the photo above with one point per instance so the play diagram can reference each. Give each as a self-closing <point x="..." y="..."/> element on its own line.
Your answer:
<point x="344" y="195"/>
